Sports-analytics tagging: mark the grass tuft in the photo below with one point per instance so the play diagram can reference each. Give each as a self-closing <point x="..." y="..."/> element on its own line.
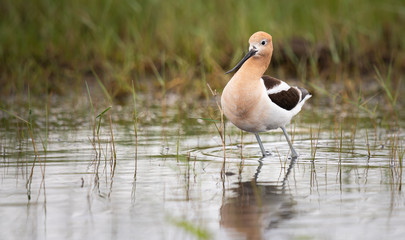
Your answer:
<point x="55" y="45"/>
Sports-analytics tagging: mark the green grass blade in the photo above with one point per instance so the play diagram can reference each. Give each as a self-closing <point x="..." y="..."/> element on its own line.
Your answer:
<point x="101" y="114"/>
<point x="102" y="85"/>
<point x="14" y="115"/>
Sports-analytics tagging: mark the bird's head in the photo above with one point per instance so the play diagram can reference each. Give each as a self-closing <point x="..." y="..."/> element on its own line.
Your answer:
<point x="260" y="47"/>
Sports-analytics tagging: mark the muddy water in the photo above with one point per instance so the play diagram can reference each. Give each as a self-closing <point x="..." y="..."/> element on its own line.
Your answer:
<point x="166" y="183"/>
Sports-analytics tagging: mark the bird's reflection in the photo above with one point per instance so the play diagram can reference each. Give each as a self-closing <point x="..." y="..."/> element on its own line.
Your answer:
<point x="258" y="206"/>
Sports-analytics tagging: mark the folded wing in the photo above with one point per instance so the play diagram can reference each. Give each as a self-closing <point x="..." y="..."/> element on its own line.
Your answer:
<point x="282" y="94"/>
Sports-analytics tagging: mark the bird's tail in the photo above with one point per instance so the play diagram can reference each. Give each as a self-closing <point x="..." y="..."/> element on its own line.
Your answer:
<point x="304" y="93"/>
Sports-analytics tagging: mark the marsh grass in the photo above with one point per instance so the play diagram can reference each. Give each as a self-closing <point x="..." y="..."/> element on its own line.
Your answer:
<point x="313" y="178"/>
<point x="339" y="173"/>
<point x="162" y="82"/>
<point x="113" y="152"/>
<point x="34" y="146"/>
<point x="65" y="42"/>
<point x="242" y="158"/>
<point x="401" y="152"/>
<point x="135" y="122"/>
<point x="220" y="129"/>
<point x="103" y="144"/>
<point x="107" y="95"/>
<point x="314" y="141"/>
<point x="396" y="154"/>
<point x="98" y="135"/>
<point x="105" y="151"/>
<point x="391" y="89"/>
<point x="93" y="112"/>
<point x="368" y="145"/>
<point x="30" y="129"/>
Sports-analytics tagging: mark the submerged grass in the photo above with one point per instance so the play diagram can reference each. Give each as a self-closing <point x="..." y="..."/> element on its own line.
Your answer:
<point x="193" y="229"/>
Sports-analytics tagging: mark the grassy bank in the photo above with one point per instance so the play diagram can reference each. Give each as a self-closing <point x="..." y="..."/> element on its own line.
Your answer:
<point x="52" y="46"/>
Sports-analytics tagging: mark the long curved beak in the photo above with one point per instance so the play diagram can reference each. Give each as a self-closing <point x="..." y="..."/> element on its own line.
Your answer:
<point x="246" y="57"/>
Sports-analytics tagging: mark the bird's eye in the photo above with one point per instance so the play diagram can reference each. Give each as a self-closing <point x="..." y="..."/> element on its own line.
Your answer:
<point x="263" y="42"/>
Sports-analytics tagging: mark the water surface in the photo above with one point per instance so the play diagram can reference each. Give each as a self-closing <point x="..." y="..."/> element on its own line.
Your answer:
<point x="166" y="183"/>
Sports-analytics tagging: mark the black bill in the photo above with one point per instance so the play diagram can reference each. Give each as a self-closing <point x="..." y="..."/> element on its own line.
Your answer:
<point x="246" y="57"/>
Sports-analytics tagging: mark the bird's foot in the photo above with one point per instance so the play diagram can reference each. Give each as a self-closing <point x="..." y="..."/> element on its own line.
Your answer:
<point x="294" y="155"/>
<point x="266" y="154"/>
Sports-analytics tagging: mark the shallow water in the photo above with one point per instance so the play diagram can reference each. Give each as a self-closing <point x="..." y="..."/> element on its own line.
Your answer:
<point x="167" y="182"/>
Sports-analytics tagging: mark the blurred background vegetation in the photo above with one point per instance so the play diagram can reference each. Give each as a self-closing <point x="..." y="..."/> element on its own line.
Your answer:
<point x="178" y="45"/>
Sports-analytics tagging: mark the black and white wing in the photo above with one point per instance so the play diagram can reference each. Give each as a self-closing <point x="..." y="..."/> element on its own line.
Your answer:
<point x="282" y="94"/>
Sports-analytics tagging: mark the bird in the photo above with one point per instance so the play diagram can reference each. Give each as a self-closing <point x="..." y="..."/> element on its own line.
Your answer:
<point x="258" y="103"/>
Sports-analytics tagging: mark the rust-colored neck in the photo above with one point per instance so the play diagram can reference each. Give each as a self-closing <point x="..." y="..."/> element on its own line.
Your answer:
<point x="253" y="69"/>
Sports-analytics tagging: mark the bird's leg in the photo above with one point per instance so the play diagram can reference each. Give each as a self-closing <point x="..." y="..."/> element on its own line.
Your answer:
<point x="261" y="144"/>
<point x="293" y="152"/>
